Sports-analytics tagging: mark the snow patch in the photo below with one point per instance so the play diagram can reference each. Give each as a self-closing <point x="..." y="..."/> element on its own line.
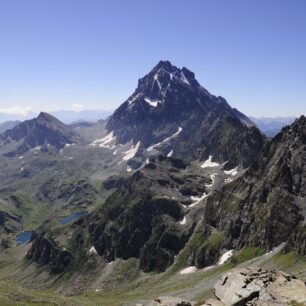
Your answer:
<point x="212" y="177"/>
<point x="157" y="80"/>
<point x="209" y="163"/>
<point x="152" y="103"/>
<point x="208" y="268"/>
<point x="170" y="153"/>
<point x="232" y="172"/>
<point x="183" y="78"/>
<point x="20" y="157"/>
<point x="93" y="250"/>
<point x="188" y="270"/>
<point x="36" y="149"/>
<point x="133" y="99"/>
<point x="132" y="152"/>
<point x="183" y="222"/>
<point x="69" y="144"/>
<point x="128" y="169"/>
<point x="197" y="200"/>
<point x="225" y="257"/>
<point x="165" y="140"/>
<point x="105" y="141"/>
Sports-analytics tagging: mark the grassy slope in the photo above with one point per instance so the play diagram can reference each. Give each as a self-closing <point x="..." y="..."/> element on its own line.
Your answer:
<point x="196" y="286"/>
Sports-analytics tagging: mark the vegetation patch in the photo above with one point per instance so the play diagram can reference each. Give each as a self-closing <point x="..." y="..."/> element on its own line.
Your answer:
<point x="247" y="254"/>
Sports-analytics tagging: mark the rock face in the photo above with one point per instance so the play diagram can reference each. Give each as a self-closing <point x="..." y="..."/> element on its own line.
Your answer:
<point x="171" y="112"/>
<point x="267" y="205"/>
<point x="45" y="252"/>
<point x="259" y="287"/>
<point x="41" y="131"/>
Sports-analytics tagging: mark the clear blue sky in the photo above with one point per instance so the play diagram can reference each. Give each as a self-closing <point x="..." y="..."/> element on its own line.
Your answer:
<point x="58" y="53"/>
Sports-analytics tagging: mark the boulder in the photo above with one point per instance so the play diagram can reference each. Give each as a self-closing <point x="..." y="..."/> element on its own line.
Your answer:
<point x="165" y="301"/>
<point x="257" y="287"/>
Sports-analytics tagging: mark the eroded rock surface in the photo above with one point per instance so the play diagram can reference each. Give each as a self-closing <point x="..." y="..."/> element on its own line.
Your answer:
<point x="257" y="287"/>
<point x="166" y="301"/>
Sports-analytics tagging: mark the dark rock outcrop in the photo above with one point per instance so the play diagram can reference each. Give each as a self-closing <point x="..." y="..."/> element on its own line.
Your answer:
<point x="44" y="251"/>
<point x="265" y="206"/>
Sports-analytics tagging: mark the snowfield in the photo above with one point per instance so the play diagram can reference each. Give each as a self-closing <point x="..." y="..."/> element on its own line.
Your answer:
<point x="225" y="257"/>
<point x="209" y="163"/>
<point x="132" y="152"/>
<point x="105" y="141"/>
<point x="179" y="130"/>
<point x="197" y="200"/>
<point x="232" y="172"/>
<point x="188" y="270"/>
<point x="152" y="103"/>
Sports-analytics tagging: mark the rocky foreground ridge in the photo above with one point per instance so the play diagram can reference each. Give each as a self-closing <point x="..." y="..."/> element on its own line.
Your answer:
<point x="250" y="287"/>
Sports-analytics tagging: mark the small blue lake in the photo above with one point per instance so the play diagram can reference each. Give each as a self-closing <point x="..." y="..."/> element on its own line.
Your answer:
<point x="73" y="217"/>
<point x="23" y="237"/>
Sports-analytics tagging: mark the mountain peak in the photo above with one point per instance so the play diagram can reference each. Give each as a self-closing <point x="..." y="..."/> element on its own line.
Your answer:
<point x="170" y="107"/>
<point x="164" y="77"/>
<point x="45" y="116"/>
<point x="301" y="120"/>
<point x="47" y="119"/>
<point x="166" y="65"/>
<point x="298" y="125"/>
<point x="45" y="129"/>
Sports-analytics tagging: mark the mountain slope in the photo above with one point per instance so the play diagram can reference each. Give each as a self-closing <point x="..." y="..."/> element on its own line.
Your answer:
<point x="148" y="223"/>
<point x="172" y="113"/>
<point x="8" y="125"/>
<point x="42" y="131"/>
<point x="267" y="206"/>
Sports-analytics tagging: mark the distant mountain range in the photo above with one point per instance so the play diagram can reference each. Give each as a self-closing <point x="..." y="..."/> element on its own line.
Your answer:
<point x="66" y="116"/>
<point x="271" y="126"/>
<point x="8" y="125"/>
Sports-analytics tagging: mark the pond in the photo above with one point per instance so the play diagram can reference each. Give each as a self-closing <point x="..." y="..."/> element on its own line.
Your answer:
<point x="23" y="237"/>
<point x="73" y="217"/>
